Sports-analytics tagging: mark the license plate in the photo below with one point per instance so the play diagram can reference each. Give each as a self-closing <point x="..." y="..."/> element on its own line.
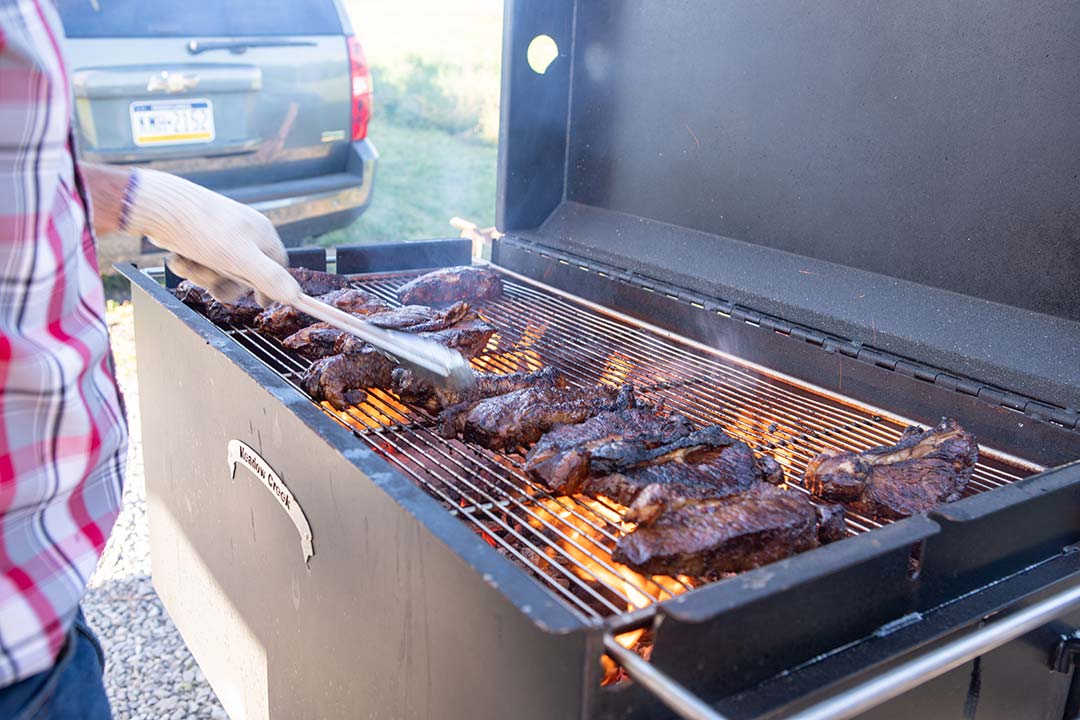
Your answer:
<point x="172" y="122"/>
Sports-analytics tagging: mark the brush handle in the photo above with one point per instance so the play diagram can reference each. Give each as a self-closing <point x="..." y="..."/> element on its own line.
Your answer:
<point x="409" y="349"/>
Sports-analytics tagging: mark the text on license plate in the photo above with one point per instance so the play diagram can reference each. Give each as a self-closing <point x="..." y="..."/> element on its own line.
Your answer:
<point x="172" y="122"/>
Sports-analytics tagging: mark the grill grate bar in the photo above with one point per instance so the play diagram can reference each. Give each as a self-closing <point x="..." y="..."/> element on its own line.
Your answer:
<point x="566" y="542"/>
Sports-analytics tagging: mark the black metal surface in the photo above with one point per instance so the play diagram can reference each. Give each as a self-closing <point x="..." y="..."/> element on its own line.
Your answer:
<point x="745" y="155"/>
<point x="424" y="254"/>
<point x="1014" y="681"/>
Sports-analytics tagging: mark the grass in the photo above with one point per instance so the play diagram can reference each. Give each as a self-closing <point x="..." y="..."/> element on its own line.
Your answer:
<point x="424" y="178"/>
<point x="435" y="67"/>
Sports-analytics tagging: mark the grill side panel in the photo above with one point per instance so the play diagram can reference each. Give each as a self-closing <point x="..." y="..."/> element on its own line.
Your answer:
<point x="387" y="619"/>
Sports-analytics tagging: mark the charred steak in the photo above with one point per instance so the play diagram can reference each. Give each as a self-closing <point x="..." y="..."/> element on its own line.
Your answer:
<point x="729" y="534"/>
<point x="451" y="284"/>
<point x="281" y="321"/>
<point x="702" y="465"/>
<point x="467" y="333"/>
<point x="924" y="469"/>
<point x="339" y="379"/>
<point x="315" y="282"/>
<point x="242" y="311"/>
<point x="560" y="459"/>
<point x="522" y="416"/>
<point x="421" y="318"/>
<point x="469" y="337"/>
<point x="417" y="390"/>
<point x="314" y="341"/>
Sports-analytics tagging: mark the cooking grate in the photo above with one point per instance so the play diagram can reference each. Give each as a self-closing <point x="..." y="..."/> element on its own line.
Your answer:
<point x="566" y="541"/>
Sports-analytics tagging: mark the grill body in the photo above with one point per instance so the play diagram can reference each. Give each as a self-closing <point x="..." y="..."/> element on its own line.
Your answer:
<point x="405" y="609"/>
<point x="813" y="221"/>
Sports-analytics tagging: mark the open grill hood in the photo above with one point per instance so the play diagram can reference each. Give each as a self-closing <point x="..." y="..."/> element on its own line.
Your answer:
<point x="904" y="178"/>
<point x="759" y="214"/>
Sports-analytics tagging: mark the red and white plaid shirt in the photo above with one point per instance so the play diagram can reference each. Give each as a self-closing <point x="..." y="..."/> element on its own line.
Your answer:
<point x="63" y="435"/>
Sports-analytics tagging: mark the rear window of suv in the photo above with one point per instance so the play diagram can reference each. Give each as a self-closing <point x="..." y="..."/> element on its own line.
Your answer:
<point x="197" y="18"/>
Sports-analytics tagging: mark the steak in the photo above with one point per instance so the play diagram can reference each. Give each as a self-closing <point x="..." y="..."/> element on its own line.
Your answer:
<point x="418" y="390"/>
<point x="281" y="321"/>
<point x="321" y="340"/>
<point x="315" y="282"/>
<point x="706" y="464"/>
<point x="245" y="310"/>
<point x="522" y="416"/>
<point x="560" y="459"/>
<point x="314" y="341"/>
<point x="339" y="379"/>
<point x="240" y="312"/>
<point x="421" y="318"/>
<point x="924" y="469"/>
<point x="469" y="337"/>
<point x="450" y="284"/>
<point x="729" y="534"/>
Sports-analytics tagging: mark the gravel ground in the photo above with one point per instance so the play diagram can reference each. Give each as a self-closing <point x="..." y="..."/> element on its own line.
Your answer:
<point x="149" y="674"/>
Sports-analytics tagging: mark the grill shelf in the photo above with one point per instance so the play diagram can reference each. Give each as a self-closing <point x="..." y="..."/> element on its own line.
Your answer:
<point x="566" y="541"/>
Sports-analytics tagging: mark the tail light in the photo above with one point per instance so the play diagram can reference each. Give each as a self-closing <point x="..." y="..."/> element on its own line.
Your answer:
<point x="360" y="79"/>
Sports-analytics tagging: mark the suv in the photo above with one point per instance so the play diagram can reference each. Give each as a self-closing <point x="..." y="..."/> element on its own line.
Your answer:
<point x="265" y="102"/>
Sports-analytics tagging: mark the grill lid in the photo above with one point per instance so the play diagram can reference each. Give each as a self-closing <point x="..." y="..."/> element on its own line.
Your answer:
<point x="904" y="177"/>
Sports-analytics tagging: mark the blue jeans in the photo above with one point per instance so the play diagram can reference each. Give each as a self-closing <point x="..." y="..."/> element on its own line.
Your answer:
<point x="73" y="689"/>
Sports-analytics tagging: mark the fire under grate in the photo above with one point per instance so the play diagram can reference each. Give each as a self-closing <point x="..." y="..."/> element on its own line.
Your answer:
<point x="566" y="541"/>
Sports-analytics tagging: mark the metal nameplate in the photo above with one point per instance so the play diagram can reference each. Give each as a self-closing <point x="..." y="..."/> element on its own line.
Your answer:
<point x="242" y="454"/>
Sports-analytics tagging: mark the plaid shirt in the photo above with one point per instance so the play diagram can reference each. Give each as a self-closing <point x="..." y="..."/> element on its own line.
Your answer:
<point x="62" y="428"/>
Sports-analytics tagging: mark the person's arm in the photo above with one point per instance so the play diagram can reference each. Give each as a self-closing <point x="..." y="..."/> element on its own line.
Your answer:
<point x="220" y="244"/>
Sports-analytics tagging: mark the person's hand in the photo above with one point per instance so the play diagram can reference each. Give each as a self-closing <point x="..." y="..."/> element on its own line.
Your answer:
<point x="220" y="244"/>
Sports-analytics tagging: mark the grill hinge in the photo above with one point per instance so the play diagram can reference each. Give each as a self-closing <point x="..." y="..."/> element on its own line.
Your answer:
<point x="1066" y="417"/>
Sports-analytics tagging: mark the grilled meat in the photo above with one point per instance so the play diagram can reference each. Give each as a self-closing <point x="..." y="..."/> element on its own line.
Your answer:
<point x="467" y="333"/>
<point x="560" y="459"/>
<point x="240" y="312"/>
<point x="314" y="341"/>
<point x="315" y="282"/>
<point x="920" y="472"/>
<point x="421" y="318"/>
<point x="831" y="525"/>
<point x="350" y="364"/>
<point x="339" y="379"/>
<point x="451" y="284"/>
<point x="702" y="465"/>
<point x="728" y="534"/>
<point x="469" y="337"/>
<point x="281" y="321"/>
<point x="522" y="416"/>
<point x="418" y="390"/>
<point x="192" y="295"/>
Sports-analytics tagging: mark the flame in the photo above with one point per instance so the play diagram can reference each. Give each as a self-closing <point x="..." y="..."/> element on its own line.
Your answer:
<point x="515" y="361"/>
<point x="586" y="549"/>
<point x="617" y="368"/>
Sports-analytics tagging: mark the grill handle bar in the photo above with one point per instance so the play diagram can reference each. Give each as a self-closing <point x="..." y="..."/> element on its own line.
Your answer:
<point x="876" y="690"/>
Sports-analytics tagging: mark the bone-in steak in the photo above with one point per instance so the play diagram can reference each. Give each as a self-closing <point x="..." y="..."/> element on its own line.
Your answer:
<point x="520" y="417"/>
<point x="451" y="284"/>
<point x="920" y="472"/>
<point x="281" y="321"/>
<point x="242" y="311"/>
<point x="705" y="464"/>
<point x="730" y="534"/>
<point x="560" y="459"/>
<point x="339" y="379"/>
<point x="418" y="390"/>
